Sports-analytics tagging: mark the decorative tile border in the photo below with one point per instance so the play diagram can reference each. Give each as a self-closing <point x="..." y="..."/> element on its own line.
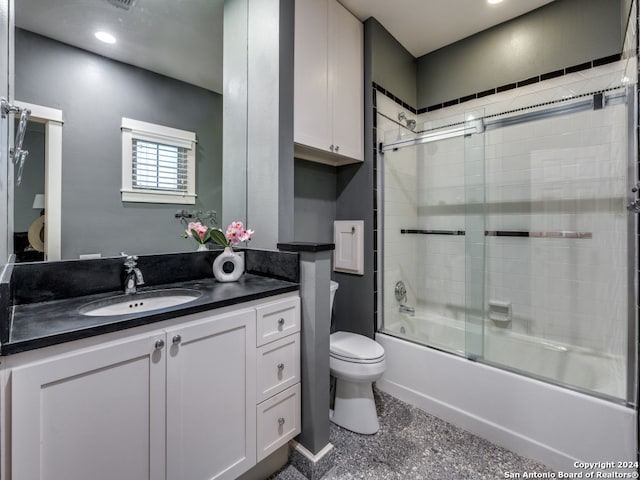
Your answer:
<point x="502" y="88"/>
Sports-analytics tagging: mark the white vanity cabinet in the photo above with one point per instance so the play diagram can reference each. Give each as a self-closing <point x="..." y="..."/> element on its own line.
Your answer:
<point x="174" y="403"/>
<point x="278" y="374"/>
<point x="93" y="414"/>
<point x="328" y="83"/>
<point x="210" y="396"/>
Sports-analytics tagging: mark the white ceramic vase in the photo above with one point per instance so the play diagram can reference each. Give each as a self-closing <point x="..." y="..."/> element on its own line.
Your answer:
<point x="234" y="266"/>
<point x="202" y="247"/>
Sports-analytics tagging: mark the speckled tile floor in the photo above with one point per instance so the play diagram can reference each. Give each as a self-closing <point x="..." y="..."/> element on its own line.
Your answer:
<point x="413" y="445"/>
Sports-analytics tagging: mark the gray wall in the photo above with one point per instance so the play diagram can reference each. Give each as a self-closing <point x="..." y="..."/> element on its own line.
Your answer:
<point x="354" y="305"/>
<point x="558" y="35"/>
<point x="393" y="67"/>
<point x="314" y="201"/>
<point x="32" y="179"/>
<point x="94" y="93"/>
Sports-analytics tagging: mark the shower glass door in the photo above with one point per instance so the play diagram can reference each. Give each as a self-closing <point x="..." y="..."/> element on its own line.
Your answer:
<point x="557" y="241"/>
<point x="506" y="237"/>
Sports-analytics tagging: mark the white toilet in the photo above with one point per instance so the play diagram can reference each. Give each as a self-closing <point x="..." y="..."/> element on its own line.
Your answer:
<point x="356" y="362"/>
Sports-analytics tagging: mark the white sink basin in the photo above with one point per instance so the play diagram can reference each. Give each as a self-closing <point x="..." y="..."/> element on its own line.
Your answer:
<point x="139" y="302"/>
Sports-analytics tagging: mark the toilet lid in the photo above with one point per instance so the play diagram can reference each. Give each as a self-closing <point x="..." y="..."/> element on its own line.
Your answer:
<point x="354" y="347"/>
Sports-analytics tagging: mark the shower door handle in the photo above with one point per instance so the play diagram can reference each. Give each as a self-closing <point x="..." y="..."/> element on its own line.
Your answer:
<point x="634" y="207"/>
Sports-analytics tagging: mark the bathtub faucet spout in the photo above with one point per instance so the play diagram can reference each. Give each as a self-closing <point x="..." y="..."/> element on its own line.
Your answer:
<point x="407" y="309"/>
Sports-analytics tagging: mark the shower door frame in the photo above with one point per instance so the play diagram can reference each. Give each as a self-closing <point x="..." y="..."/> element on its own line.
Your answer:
<point x="633" y="291"/>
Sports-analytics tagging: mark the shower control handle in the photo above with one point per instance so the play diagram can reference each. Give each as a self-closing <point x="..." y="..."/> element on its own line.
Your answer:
<point x="337" y="148"/>
<point x="331" y="147"/>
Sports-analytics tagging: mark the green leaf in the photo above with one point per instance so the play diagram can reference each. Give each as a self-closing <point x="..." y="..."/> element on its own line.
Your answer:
<point x="218" y="237"/>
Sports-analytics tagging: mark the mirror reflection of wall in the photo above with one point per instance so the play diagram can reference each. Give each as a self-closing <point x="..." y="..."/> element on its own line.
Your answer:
<point x="94" y="93"/>
<point x="28" y="245"/>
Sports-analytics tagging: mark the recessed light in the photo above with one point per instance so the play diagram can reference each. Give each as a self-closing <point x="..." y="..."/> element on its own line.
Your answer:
<point x="492" y="2"/>
<point x="105" y="37"/>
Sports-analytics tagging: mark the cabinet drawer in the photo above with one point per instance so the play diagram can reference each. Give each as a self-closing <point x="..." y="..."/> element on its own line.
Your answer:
<point x="278" y="366"/>
<point x="277" y="320"/>
<point x="278" y="421"/>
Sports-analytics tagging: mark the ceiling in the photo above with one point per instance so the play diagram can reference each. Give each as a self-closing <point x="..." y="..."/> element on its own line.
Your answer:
<point x="423" y="26"/>
<point x="183" y="38"/>
<point x="178" y="38"/>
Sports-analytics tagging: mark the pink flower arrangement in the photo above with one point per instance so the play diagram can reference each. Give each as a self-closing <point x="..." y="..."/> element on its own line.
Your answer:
<point x="235" y="234"/>
<point x="199" y="232"/>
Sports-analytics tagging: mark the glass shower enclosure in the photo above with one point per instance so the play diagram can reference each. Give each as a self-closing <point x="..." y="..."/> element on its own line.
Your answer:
<point x="506" y="233"/>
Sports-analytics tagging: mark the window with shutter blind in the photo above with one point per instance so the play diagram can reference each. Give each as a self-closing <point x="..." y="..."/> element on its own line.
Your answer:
<point x="158" y="163"/>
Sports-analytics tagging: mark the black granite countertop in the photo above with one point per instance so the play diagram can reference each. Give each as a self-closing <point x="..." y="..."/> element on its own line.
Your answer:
<point x="40" y="324"/>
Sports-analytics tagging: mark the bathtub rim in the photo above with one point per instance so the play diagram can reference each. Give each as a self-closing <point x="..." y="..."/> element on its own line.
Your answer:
<point x="507" y="368"/>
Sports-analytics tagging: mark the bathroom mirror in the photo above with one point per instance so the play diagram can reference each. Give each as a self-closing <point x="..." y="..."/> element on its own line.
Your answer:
<point x="164" y="67"/>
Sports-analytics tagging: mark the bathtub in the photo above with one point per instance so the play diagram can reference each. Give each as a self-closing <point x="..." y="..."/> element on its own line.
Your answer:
<point x="554" y="425"/>
<point x="567" y="364"/>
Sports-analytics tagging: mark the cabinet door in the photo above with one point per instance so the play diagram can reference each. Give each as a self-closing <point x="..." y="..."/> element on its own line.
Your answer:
<point x="346" y="79"/>
<point x="95" y="414"/>
<point x="312" y="125"/>
<point x="211" y="420"/>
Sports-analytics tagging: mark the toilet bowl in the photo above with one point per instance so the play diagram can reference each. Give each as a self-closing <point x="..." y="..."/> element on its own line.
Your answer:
<point x="356" y="362"/>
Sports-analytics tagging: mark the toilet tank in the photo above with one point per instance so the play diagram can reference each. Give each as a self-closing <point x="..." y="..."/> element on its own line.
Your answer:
<point x="332" y="294"/>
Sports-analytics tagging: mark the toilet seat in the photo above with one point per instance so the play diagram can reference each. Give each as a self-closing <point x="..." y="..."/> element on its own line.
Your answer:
<point x="354" y="348"/>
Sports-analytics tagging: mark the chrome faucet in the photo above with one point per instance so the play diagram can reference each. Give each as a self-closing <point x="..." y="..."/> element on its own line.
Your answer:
<point x="407" y="309"/>
<point x="133" y="276"/>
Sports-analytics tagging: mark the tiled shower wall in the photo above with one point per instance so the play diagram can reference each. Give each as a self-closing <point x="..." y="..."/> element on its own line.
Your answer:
<point x="561" y="174"/>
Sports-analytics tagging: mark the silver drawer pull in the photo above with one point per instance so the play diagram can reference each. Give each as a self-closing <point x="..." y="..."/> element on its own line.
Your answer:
<point x="176" y="339"/>
<point x="281" y="421"/>
<point x="281" y="366"/>
<point x="281" y="321"/>
<point x="159" y="344"/>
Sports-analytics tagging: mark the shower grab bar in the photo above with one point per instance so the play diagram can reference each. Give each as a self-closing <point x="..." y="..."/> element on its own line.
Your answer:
<point x="504" y="233"/>
<point x="432" y="232"/>
<point x="559" y="234"/>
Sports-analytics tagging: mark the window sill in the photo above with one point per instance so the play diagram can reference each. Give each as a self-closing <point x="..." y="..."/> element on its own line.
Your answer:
<point x="158" y="197"/>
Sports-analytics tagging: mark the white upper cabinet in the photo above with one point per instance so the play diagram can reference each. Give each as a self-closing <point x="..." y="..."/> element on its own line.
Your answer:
<point x="328" y="85"/>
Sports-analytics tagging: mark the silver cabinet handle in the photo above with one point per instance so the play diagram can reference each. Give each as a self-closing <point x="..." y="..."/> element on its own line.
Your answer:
<point x="176" y="339"/>
<point x="159" y="344"/>
<point x="281" y="366"/>
<point x="281" y="321"/>
<point x="281" y="421"/>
